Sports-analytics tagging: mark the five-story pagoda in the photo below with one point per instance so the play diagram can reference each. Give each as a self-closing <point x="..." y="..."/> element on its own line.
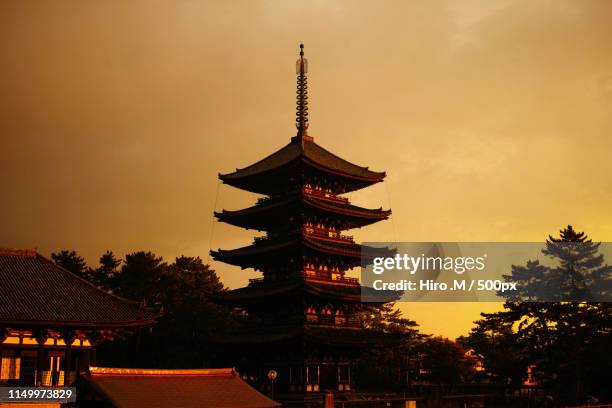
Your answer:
<point x="302" y="316"/>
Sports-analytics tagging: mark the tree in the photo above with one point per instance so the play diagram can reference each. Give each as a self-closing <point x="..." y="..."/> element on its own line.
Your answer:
<point x="494" y="339"/>
<point x="71" y="261"/>
<point x="140" y="278"/>
<point x="386" y="318"/>
<point x="444" y="362"/>
<point x="565" y="339"/>
<point x="182" y="291"/>
<point x="108" y="271"/>
<point x="391" y="365"/>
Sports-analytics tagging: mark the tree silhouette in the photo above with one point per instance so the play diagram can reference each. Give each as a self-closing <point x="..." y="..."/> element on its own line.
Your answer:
<point x="71" y="261"/>
<point x="105" y="275"/>
<point x="444" y="362"/>
<point x="568" y="340"/>
<point x="180" y="290"/>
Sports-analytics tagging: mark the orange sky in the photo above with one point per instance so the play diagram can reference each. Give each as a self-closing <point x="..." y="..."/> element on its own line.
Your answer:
<point x="492" y="119"/>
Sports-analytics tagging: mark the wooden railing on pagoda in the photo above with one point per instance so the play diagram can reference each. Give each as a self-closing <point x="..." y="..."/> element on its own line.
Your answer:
<point x="316" y="192"/>
<point x="326" y="233"/>
<point x="317" y="232"/>
<point x="333" y="320"/>
<point x="314" y="275"/>
<point x="323" y="275"/>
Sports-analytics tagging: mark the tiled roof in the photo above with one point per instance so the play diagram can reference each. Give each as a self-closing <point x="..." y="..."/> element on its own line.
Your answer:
<point x="375" y="213"/>
<point x="265" y="215"/>
<point x="340" y="336"/>
<point x="265" y="291"/>
<point x="249" y="255"/>
<point x="36" y="291"/>
<point x="144" y="388"/>
<point x="311" y="153"/>
<point x="259" y="254"/>
<point x="349" y="336"/>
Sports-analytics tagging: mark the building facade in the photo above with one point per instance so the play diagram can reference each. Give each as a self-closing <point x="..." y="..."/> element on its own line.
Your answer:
<point x="51" y="320"/>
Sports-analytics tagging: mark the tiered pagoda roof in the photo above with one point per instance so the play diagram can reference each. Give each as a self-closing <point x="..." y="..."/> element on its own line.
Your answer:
<point x="265" y="214"/>
<point x="274" y="250"/>
<point x="343" y="289"/>
<point x="337" y="336"/>
<point x="270" y="174"/>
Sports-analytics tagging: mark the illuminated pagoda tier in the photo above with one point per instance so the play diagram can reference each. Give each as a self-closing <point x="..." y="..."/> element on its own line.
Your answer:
<point x="302" y="318"/>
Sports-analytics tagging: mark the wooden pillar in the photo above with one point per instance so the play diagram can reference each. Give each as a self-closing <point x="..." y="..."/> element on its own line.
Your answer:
<point x="40" y="363"/>
<point x="94" y="338"/>
<point x="68" y="339"/>
<point x="92" y="356"/>
<point x="67" y="364"/>
<point x="41" y="337"/>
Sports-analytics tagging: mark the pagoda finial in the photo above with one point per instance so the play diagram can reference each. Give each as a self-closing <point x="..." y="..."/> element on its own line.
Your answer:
<point x="301" y="119"/>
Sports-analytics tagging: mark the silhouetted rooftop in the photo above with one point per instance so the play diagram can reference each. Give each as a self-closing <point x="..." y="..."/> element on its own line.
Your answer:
<point x="36" y="291"/>
<point x="151" y="388"/>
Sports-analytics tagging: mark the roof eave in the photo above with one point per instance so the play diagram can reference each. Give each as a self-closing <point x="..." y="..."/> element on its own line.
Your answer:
<point x="75" y="324"/>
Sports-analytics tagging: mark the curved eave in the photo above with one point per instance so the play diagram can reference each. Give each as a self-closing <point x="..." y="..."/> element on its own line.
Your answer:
<point x="252" y="255"/>
<point x="77" y="325"/>
<point x="251" y="293"/>
<point x="260" y="216"/>
<point x="254" y="177"/>
<point x="354" y="250"/>
<point x="356" y="337"/>
<point x="246" y="182"/>
<point x="374" y="178"/>
<point x="274" y="161"/>
<point x="377" y="214"/>
<point x="349" y="251"/>
<point x="243" y="256"/>
<point x="353" y="293"/>
<point x="257" y="336"/>
<point x="335" y="336"/>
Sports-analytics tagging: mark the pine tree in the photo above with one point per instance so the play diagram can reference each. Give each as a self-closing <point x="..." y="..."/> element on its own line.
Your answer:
<point x="105" y="275"/>
<point x="71" y="261"/>
<point x="566" y="339"/>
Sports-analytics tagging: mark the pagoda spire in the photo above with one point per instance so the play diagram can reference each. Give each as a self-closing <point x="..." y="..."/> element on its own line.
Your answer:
<point x="301" y="116"/>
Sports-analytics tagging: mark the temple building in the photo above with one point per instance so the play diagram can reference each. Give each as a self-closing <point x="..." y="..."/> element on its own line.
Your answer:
<point x="51" y="320"/>
<point x="302" y="317"/>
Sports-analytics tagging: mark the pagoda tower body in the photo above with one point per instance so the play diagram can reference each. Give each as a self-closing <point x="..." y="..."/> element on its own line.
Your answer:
<point x="302" y="317"/>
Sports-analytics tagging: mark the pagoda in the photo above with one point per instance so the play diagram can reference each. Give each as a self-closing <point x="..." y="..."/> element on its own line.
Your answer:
<point x="302" y="317"/>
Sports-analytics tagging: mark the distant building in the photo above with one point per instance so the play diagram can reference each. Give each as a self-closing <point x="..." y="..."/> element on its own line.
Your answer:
<point x="477" y="360"/>
<point x="52" y="320"/>
<point x="145" y="388"/>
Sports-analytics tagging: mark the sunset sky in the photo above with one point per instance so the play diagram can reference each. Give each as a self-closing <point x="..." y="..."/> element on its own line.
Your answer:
<point x="492" y="120"/>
